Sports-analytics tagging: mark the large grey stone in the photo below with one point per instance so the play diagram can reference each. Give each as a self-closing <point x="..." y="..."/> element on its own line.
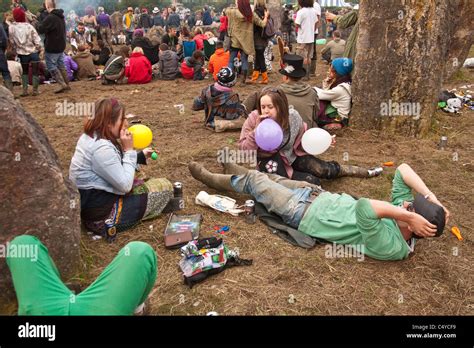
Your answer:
<point x="36" y="198"/>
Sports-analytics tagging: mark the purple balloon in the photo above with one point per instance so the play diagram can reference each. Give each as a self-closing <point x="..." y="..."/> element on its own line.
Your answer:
<point x="268" y="135"/>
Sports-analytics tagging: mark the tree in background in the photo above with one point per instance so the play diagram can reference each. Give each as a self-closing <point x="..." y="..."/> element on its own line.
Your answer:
<point x="405" y="51"/>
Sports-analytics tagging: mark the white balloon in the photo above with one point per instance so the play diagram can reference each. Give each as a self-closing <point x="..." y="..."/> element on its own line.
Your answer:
<point x="316" y="141"/>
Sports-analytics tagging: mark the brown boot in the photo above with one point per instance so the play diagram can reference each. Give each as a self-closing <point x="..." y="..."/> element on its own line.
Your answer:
<point x="223" y="125"/>
<point x="312" y="68"/>
<point x="244" y="77"/>
<point x="307" y="67"/>
<point x="59" y="79"/>
<point x="65" y="78"/>
<point x="234" y="169"/>
<point x="265" y="78"/>
<point x="220" y="182"/>
<point x="255" y="76"/>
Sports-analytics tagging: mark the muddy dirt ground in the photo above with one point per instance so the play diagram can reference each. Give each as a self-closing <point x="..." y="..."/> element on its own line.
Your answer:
<point x="436" y="280"/>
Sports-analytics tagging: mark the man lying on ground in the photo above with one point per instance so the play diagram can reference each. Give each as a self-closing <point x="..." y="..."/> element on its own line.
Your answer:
<point x="387" y="231"/>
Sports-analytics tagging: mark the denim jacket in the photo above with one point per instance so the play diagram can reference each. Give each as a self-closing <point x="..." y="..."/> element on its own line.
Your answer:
<point x="98" y="164"/>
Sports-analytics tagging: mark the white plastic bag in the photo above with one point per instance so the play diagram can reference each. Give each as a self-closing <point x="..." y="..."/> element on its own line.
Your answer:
<point x="220" y="203"/>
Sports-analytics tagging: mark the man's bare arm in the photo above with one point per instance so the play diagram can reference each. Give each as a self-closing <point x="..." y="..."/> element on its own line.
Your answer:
<point x="417" y="223"/>
<point x="414" y="181"/>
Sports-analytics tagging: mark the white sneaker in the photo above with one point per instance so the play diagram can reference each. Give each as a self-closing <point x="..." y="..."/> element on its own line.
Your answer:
<point x="375" y="171"/>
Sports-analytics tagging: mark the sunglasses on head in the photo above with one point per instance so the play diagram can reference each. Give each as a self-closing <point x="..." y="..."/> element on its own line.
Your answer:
<point x="271" y="90"/>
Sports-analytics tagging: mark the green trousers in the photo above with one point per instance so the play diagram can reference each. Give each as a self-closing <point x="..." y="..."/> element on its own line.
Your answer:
<point x="119" y="290"/>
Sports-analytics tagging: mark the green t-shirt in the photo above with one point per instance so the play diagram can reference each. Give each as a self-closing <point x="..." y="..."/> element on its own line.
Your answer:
<point x="341" y="219"/>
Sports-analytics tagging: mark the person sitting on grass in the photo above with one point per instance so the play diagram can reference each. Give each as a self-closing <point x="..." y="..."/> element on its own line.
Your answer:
<point x="103" y="169"/>
<point x="222" y="107"/>
<point x="114" y="70"/>
<point x="40" y="290"/>
<point x="199" y="38"/>
<point x="381" y="230"/>
<point x="192" y="67"/>
<point x="138" y="70"/>
<point x="289" y="159"/>
<point x="15" y="68"/>
<point x="218" y="60"/>
<point x="78" y="36"/>
<point x="168" y="64"/>
<point x="335" y="48"/>
<point x="170" y="38"/>
<point x="102" y="55"/>
<point x="85" y="64"/>
<point x="71" y="66"/>
<point x="149" y="49"/>
<point x="300" y="95"/>
<point x="335" y="98"/>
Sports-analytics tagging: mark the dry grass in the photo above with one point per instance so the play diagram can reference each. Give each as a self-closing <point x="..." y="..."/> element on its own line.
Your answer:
<point x="433" y="281"/>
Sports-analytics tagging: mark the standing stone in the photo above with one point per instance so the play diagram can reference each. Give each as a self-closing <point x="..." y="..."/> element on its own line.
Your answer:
<point x="403" y="49"/>
<point x="35" y="197"/>
<point x="461" y="35"/>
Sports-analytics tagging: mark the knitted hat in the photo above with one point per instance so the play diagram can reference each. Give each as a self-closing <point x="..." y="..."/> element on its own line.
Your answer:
<point x="343" y="66"/>
<point x="226" y="77"/>
<point x="19" y="15"/>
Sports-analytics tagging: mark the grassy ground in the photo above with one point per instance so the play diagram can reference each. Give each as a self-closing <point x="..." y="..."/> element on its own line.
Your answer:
<point x="436" y="280"/>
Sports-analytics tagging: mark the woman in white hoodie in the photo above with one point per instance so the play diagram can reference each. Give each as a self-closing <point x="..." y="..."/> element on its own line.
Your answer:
<point x="27" y="44"/>
<point x="335" y="98"/>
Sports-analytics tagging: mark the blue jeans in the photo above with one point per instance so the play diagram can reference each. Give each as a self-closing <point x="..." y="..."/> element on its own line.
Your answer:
<point x="285" y="202"/>
<point x="54" y="61"/>
<point x="26" y="59"/>
<point x="243" y="56"/>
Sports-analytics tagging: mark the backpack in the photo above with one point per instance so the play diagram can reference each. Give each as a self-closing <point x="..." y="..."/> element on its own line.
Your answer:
<point x="269" y="31"/>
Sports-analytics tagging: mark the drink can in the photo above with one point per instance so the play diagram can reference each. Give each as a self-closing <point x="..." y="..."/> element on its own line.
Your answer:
<point x="178" y="189"/>
<point x="110" y="230"/>
<point x="250" y="216"/>
<point x="443" y="142"/>
<point x="178" y="193"/>
<point x="249" y="207"/>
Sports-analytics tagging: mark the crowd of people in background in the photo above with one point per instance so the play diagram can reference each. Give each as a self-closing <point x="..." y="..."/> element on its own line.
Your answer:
<point x="100" y="32"/>
<point x="137" y="45"/>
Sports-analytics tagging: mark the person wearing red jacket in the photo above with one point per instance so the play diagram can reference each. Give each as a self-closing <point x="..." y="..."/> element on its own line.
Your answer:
<point x="223" y="27"/>
<point x="192" y="67"/>
<point x="138" y="69"/>
<point x="199" y="38"/>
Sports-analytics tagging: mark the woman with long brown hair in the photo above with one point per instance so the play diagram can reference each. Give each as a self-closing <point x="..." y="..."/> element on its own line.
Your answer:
<point x="103" y="169"/>
<point x="241" y="24"/>
<point x="289" y="159"/>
